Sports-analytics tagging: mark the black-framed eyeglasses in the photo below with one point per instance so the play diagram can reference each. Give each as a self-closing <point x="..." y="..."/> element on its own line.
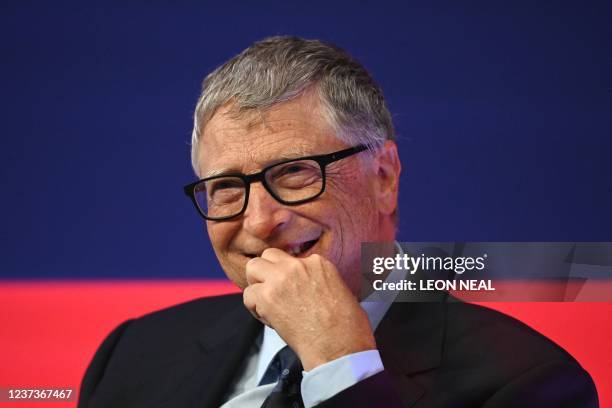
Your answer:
<point x="290" y="182"/>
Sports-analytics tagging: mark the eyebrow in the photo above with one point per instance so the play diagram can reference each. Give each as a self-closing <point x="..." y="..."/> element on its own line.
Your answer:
<point x="280" y="158"/>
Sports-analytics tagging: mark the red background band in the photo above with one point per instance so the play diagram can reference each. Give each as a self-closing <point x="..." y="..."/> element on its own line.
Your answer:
<point x="50" y="329"/>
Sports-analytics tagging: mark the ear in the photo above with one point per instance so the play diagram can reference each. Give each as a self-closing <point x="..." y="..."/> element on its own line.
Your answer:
<point x="388" y="168"/>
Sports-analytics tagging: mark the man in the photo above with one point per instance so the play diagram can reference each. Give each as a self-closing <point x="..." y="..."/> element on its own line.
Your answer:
<point x="293" y="147"/>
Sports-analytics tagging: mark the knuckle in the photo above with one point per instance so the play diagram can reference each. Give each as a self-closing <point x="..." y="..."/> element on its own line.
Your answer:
<point x="316" y="258"/>
<point x="268" y="294"/>
<point x="249" y="267"/>
<point x="253" y="261"/>
<point x="267" y="252"/>
<point x="317" y="261"/>
<point x="295" y="263"/>
<point x="249" y="276"/>
<point x="284" y="279"/>
<point x="247" y="296"/>
<point x="295" y="270"/>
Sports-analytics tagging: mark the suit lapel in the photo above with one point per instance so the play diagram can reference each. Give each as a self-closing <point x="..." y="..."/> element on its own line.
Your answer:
<point x="410" y="339"/>
<point x="223" y="344"/>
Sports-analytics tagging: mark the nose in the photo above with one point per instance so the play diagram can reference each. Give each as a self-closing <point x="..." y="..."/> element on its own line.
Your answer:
<point x="264" y="216"/>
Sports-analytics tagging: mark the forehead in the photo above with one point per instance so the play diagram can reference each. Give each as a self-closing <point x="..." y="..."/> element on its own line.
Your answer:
<point x="253" y="140"/>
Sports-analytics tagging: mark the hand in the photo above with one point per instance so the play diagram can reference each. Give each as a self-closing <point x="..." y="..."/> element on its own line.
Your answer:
<point x="308" y="304"/>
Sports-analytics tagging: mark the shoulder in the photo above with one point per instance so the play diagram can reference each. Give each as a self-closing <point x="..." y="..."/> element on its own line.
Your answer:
<point x="512" y="361"/>
<point x="136" y="354"/>
<point x="183" y="316"/>
<point x="165" y="334"/>
<point x="482" y="357"/>
<point x="177" y="323"/>
<point x="486" y="332"/>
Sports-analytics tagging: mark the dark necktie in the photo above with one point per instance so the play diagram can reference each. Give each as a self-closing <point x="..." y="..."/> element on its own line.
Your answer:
<point x="287" y="369"/>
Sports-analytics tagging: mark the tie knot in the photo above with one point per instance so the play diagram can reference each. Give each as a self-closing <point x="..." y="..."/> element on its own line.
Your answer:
<point x="289" y="363"/>
<point x="284" y="367"/>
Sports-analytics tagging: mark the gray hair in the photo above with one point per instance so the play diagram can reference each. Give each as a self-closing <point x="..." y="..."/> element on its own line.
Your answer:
<point x="279" y="69"/>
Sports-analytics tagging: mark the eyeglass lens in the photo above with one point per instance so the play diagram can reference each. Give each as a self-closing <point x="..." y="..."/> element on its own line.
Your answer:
<point x="289" y="182"/>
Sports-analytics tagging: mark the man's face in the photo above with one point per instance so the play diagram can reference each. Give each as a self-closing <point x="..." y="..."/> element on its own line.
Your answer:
<point x="333" y="225"/>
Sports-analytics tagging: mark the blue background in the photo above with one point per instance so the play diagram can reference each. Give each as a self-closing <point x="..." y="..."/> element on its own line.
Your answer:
<point x="503" y="114"/>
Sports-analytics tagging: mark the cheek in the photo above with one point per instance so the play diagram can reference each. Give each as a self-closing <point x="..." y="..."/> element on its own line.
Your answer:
<point x="355" y="208"/>
<point x="220" y="235"/>
<point x="352" y="220"/>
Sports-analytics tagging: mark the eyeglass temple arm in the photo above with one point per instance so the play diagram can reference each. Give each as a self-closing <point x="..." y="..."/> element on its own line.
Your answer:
<point x="345" y="153"/>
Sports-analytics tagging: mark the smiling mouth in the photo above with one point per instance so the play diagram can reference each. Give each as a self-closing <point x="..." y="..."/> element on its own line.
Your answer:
<point x="301" y="249"/>
<point x="298" y="250"/>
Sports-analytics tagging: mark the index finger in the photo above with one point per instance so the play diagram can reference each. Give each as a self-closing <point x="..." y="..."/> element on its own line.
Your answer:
<point x="275" y="255"/>
<point x="256" y="270"/>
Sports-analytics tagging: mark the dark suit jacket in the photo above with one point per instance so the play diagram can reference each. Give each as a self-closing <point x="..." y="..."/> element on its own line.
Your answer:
<point x="435" y="355"/>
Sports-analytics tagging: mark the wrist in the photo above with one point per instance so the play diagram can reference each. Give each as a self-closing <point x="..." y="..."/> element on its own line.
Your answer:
<point x="312" y="359"/>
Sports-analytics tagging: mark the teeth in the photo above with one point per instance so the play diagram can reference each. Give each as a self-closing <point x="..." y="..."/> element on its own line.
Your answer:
<point x="297" y="249"/>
